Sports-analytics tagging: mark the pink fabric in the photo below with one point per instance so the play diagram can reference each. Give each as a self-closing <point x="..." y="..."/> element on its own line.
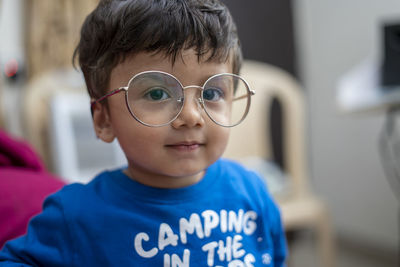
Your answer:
<point x="24" y="184"/>
<point x="18" y="153"/>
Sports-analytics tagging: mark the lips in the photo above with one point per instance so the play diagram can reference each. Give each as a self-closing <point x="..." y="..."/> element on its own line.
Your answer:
<point x="185" y="146"/>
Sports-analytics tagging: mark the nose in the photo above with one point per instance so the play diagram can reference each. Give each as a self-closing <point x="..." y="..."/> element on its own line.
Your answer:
<point x="192" y="113"/>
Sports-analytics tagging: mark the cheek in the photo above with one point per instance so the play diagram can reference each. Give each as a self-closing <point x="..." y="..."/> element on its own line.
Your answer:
<point x="139" y="146"/>
<point x="132" y="136"/>
<point x="219" y="139"/>
<point x="137" y="136"/>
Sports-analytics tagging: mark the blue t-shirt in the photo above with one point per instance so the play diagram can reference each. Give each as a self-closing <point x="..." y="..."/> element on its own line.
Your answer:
<point x="226" y="219"/>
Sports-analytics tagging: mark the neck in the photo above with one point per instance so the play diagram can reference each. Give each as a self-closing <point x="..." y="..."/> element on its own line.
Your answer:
<point x="163" y="181"/>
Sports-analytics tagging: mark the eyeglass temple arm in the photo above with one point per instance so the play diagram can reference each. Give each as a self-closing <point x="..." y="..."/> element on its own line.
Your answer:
<point x="113" y="92"/>
<point x="252" y="92"/>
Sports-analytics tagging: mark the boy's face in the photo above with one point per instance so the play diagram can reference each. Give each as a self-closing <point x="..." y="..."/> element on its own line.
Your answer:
<point x="170" y="156"/>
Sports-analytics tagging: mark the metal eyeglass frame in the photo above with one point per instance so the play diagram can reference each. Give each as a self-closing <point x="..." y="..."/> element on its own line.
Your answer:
<point x="201" y="100"/>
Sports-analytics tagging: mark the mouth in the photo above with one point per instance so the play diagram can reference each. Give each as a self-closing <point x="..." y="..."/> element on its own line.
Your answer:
<point x="185" y="146"/>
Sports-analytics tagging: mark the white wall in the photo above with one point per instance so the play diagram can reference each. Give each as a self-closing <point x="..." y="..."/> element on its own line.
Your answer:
<point x="332" y="37"/>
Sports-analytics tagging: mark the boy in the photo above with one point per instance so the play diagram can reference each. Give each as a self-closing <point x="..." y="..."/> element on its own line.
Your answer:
<point x="159" y="75"/>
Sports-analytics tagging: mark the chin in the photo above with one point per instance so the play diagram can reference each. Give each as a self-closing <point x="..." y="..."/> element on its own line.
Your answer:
<point x="187" y="171"/>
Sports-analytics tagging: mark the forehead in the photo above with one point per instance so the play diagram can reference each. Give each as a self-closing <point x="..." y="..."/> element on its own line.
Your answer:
<point x="187" y="67"/>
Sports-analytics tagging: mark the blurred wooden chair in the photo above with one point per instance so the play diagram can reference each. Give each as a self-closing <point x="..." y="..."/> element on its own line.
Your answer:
<point x="37" y="103"/>
<point x="58" y="123"/>
<point x="300" y="207"/>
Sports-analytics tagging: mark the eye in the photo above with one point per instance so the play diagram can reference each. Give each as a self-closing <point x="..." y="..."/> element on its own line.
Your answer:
<point x="157" y="94"/>
<point x="212" y="94"/>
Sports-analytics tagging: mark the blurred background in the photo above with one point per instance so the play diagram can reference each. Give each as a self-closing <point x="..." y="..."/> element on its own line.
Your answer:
<point x="318" y="43"/>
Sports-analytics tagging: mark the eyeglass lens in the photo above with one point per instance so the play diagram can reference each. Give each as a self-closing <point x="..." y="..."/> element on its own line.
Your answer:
<point x="156" y="98"/>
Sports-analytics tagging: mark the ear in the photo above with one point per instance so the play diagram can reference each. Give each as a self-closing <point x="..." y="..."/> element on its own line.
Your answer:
<point x="102" y="122"/>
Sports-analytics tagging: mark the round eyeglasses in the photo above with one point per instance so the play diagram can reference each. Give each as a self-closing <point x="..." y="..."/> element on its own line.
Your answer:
<point x="156" y="98"/>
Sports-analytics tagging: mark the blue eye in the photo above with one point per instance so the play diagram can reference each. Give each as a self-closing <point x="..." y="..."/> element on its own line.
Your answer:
<point x="157" y="94"/>
<point x="212" y="94"/>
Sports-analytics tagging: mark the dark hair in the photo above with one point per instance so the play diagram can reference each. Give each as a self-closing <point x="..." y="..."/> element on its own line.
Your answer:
<point x="118" y="28"/>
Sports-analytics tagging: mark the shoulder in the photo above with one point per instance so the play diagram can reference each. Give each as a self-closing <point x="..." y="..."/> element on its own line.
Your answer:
<point x="239" y="174"/>
<point x="76" y="196"/>
<point x="249" y="184"/>
<point x="243" y="181"/>
<point x="233" y="167"/>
